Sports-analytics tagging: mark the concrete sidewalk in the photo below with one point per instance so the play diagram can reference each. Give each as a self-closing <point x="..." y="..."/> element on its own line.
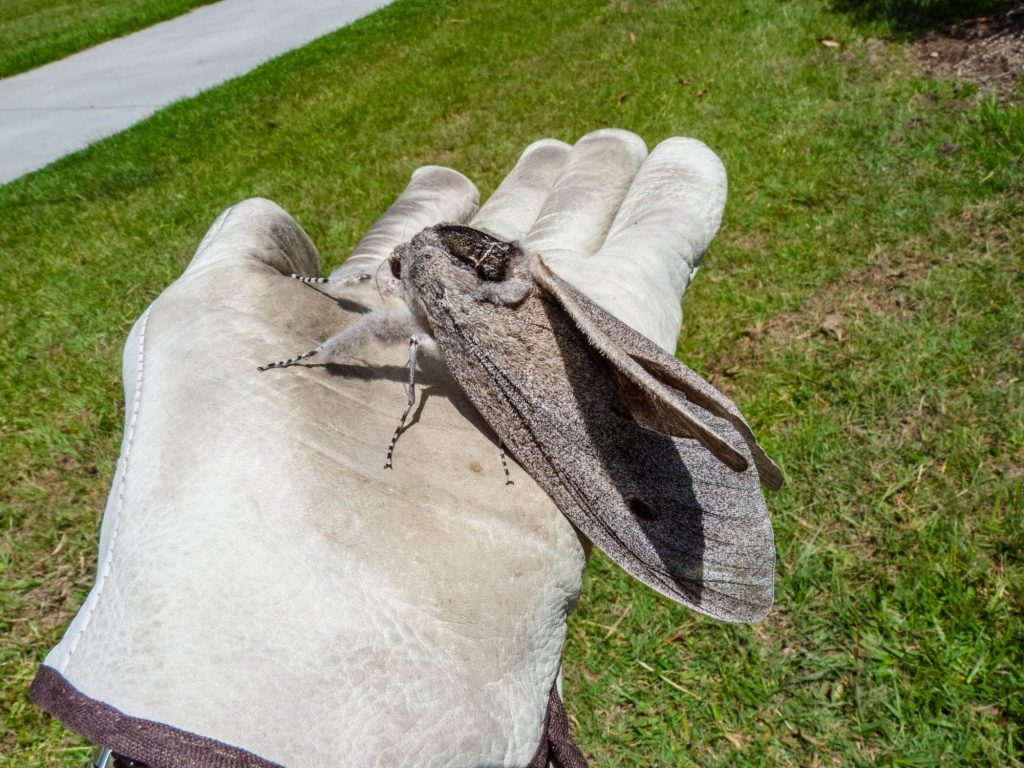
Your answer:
<point x="64" y="106"/>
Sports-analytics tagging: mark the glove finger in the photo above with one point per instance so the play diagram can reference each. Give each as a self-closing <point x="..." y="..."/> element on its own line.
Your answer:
<point x="585" y="199"/>
<point x="434" y="194"/>
<point x="237" y="280"/>
<point x="671" y="213"/>
<point x="255" y="230"/>
<point x="515" y="204"/>
<point x="667" y="220"/>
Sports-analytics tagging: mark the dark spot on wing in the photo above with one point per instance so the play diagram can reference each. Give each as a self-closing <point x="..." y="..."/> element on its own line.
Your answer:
<point x="640" y="508"/>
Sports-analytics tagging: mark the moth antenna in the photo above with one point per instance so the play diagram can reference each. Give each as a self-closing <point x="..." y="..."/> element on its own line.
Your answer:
<point x="291" y="361"/>
<point x="504" y="464"/>
<point x="414" y="343"/>
<point x="376" y="281"/>
<point x="307" y="280"/>
<point x="356" y="277"/>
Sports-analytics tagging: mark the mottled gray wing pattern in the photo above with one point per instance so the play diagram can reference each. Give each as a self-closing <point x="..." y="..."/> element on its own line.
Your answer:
<point x="664" y="508"/>
<point x="665" y="385"/>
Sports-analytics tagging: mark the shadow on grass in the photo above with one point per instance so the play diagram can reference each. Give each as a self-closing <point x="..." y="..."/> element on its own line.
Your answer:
<point x="914" y="18"/>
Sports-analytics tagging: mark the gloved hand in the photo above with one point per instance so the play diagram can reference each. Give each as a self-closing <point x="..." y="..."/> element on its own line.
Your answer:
<point x="267" y="593"/>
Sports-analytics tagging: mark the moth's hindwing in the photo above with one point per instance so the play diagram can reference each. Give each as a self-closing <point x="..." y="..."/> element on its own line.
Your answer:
<point x="665" y="508"/>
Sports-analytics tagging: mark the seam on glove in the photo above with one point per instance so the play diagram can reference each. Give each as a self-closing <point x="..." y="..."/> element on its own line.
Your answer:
<point x="104" y="570"/>
<point x="129" y="441"/>
<point x="213" y="231"/>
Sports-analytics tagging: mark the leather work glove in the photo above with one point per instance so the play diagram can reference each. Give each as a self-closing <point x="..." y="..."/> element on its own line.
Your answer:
<point x="266" y="592"/>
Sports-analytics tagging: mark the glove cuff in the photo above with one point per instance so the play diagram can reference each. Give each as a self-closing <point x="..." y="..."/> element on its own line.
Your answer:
<point x="158" y="745"/>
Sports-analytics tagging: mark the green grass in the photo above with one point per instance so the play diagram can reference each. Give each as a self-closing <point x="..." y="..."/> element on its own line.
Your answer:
<point x="35" y="32"/>
<point x="863" y="303"/>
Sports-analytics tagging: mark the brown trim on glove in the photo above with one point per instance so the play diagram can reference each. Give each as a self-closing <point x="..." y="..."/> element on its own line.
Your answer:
<point x="156" y="744"/>
<point x="162" y="746"/>
<point x="556" y="744"/>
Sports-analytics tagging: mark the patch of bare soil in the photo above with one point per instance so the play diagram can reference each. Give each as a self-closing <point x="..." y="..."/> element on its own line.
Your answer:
<point x="987" y="50"/>
<point x="884" y="287"/>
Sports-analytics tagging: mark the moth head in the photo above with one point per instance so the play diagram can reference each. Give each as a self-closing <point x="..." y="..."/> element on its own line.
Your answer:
<point x="489" y="257"/>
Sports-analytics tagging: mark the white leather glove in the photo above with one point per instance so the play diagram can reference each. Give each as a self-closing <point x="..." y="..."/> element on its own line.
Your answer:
<point x="267" y="593"/>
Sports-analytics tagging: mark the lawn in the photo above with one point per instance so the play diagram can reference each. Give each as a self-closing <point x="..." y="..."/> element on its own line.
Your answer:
<point x="863" y="304"/>
<point x="34" y="32"/>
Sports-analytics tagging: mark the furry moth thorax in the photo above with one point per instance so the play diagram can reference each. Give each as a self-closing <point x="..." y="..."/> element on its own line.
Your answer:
<point x="495" y="271"/>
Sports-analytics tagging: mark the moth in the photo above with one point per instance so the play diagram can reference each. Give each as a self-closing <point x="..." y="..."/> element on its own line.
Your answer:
<point x="647" y="459"/>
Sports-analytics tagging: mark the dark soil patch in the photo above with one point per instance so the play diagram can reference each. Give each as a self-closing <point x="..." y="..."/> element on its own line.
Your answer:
<point x="884" y="287"/>
<point x="987" y="50"/>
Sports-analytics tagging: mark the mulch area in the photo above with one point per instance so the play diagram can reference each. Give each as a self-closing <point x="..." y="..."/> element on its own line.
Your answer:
<point x="987" y="50"/>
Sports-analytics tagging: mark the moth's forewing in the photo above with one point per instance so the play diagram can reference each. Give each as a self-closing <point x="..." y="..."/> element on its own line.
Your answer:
<point x="665" y="509"/>
<point x="681" y="383"/>
<point x="671" y="387"/>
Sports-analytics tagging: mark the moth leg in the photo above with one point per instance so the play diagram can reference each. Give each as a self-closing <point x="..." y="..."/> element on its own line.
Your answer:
<point x="290" y="361"/>
<point x="504" y="464"/>
<point x="387" y="325"/>
<point x="414" y="344"/>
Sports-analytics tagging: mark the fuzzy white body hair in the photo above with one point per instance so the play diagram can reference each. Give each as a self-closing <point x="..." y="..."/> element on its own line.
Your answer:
<point x="385" y="325"/>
